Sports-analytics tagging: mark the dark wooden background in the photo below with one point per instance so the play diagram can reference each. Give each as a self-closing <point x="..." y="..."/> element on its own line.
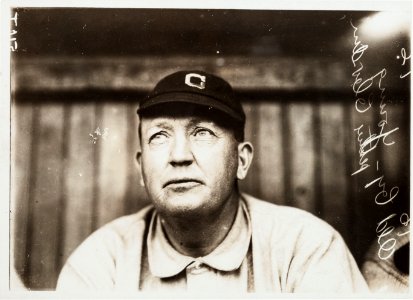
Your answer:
<point x="300" y="118"/>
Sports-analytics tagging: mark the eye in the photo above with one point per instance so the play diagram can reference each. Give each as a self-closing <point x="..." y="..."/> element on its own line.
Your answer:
<point x="158" y="138"/>
<point x="203" y="133"/>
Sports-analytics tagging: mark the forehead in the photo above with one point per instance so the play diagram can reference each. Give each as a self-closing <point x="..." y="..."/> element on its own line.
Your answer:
<point x="183" y="113"/>
<point x="169" y="121"/>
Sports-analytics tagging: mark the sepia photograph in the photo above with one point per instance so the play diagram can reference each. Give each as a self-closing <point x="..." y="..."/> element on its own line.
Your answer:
<point x="217" y="151"/>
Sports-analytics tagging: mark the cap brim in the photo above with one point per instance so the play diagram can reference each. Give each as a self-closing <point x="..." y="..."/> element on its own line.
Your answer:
<point x="189" y="98"/>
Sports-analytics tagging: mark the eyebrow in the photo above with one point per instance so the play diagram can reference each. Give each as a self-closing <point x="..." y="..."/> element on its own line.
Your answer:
<point x="159" y="124"/>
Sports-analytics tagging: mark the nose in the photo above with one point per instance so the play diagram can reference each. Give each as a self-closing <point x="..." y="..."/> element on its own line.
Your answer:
<point x="181" y="153"/>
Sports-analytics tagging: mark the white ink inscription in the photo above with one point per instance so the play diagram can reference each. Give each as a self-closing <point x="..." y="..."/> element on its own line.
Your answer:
<point x="13" y="33"/>
<point x="367" y="140"/>
<point x="405" y="59"/>
<point x="387" y="243"/>
<point x="370" y="136"/>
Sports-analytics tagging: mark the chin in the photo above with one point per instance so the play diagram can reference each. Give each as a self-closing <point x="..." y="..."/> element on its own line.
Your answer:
<point x="184" y="205"/>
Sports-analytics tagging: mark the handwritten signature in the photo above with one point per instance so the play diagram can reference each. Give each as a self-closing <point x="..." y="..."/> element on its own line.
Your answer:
<point x="387" y="244"/>
<point x="363" y="104"/>
<point x="383" y="193"/>
<point x="13" y="33"/>
<point x="368" y="140"/>
<point x="405" y="59"/>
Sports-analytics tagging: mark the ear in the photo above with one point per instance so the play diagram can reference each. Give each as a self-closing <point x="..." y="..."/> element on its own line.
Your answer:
<point x="139" y="161"/>
<point x="245" y="155"/>
<point x="139" y="157"/>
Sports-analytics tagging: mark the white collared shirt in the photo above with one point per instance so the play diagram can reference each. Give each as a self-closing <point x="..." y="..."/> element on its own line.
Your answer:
<point x="225" y="268"/>
<point x="290" y="251"/>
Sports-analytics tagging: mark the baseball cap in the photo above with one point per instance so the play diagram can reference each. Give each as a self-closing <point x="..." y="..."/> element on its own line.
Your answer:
<point x="196" y="87"/>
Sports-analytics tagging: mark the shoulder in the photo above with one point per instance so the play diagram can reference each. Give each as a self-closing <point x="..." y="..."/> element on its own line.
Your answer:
<point x="115" y="235"/>
<point x="301" y="249"/>
<point x="123" y="227"/>
<point x="282" y="221"/>
<point x="101" y="260"/>
<point x="278" y="213"/>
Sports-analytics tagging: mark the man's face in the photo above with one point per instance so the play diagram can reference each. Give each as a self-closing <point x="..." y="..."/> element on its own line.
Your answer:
<point x="189" y="162"/>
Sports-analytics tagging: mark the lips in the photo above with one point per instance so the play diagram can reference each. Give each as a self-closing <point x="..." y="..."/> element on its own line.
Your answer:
<point x="182" y="183"/>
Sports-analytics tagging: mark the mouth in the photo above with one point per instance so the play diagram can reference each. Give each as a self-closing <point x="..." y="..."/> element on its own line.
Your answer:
<point x="182" y="184"/>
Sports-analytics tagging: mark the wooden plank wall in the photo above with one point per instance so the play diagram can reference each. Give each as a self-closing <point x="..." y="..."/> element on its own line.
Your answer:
<point x="65" y="185"/>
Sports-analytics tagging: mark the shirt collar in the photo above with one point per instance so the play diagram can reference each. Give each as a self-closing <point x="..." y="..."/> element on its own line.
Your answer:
<point x="165" y="261"/>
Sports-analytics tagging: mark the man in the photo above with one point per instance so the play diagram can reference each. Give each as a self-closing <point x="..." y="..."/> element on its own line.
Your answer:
<point x="201" y="234"/>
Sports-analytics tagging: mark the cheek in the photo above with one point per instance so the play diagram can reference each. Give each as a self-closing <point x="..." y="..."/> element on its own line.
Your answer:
<point x="231" y="166"/>
<point x="153" y="166"/>
<point x="219" y="163"/>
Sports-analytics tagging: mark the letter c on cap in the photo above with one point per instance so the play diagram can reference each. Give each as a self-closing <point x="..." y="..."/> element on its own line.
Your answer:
<point x="200" y="85"/>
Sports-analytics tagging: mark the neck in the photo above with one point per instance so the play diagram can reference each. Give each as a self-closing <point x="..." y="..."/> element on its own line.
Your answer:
<point x="199" y="236"/>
